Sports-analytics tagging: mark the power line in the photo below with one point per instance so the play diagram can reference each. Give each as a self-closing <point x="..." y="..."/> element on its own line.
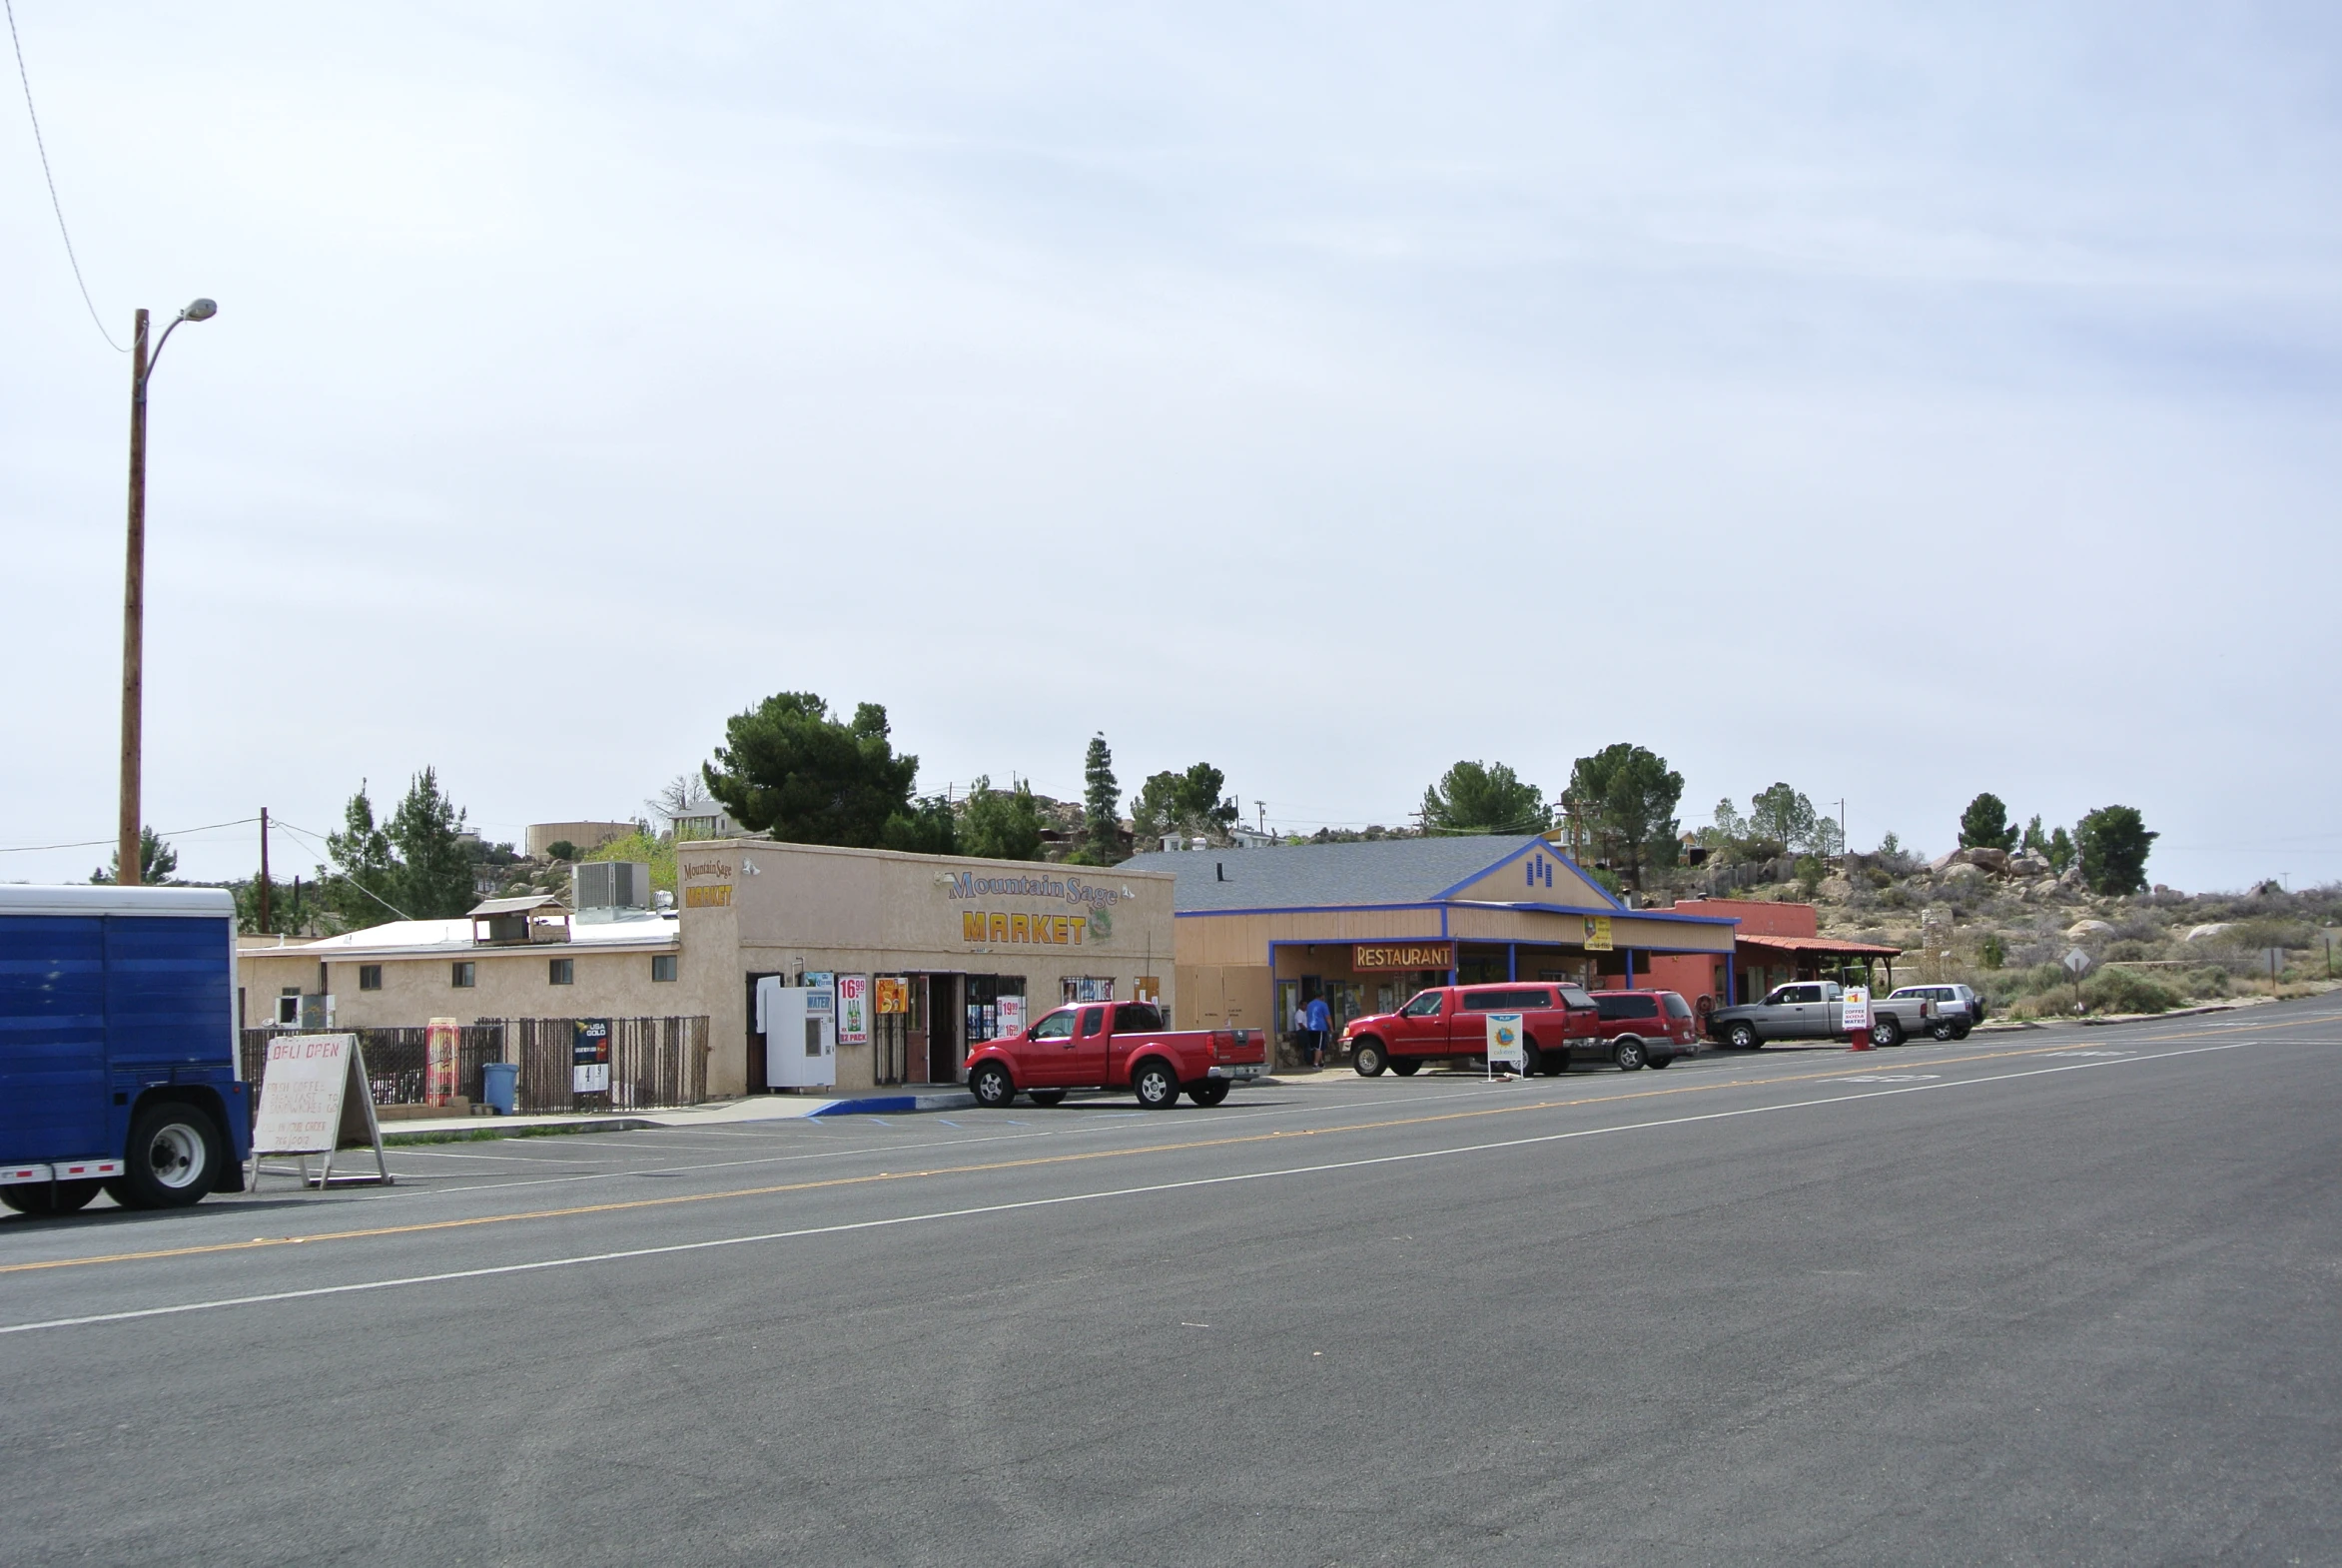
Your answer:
<point x="54" y="205"/>
<point x="172" y="833"/>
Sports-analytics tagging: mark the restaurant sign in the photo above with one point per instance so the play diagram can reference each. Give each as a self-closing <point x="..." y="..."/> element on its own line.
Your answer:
<point x="1391" y="956"/>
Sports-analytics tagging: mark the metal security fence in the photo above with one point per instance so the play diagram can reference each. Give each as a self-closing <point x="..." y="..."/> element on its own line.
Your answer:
<point x="654" y="1062"/>
<point x="396" y="1058"/>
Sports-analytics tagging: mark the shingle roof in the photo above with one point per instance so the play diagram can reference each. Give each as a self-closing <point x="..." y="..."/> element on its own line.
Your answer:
<point x="1325" y="876"/>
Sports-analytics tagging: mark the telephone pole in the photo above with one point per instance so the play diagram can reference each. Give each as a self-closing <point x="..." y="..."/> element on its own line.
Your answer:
<point x="129" y="866"/>
<point x="263" y="920"/>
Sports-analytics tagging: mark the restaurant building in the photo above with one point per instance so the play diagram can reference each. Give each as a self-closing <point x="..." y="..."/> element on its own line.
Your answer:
<point x="1363" y="926"/>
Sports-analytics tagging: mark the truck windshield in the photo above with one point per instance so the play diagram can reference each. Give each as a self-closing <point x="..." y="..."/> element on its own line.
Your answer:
<point x="1424" y="1006"/>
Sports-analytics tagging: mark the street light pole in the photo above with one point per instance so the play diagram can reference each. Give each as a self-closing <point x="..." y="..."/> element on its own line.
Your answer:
<point x="129" y="869"/>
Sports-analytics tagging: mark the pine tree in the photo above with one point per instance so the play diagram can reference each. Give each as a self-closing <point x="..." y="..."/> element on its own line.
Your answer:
<point x="1099" y="792"/>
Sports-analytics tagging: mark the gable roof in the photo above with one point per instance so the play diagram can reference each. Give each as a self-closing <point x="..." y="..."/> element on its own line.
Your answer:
<point x="1330" y="875"/>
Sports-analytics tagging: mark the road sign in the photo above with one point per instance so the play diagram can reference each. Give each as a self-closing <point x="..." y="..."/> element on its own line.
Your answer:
<point x="2078" y="962"/>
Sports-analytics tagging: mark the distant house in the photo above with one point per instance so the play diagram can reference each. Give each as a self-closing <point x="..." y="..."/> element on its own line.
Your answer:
<point x="705" y="819"/>
<point x="586" y="837"/>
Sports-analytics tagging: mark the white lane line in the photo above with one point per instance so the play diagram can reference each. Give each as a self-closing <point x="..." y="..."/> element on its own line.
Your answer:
<point x="1189" y="1185"/>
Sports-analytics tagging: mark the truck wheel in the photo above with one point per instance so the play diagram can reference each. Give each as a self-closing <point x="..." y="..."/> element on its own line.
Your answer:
<point x="1370" y="1059"/>
<point x="1046" y="1098"/>
<point x="174" y="1155"/>
<point x="1156" y="1085"/>
<point x="1742" y="1037"/>
<point x="991" y="1086"/>
<point x="1533" y="1059"/>
<point x="1888" y="1031"/>
<point x="1406" y="1066"/>
<point x="1556" y="1062"/>
<point x="49" y="1198"/>
<point x="1628" y="1056"/>
<point x="1659" y="1062"/>
<point x="1208" y="1093"/>
<point x="1960" y="1030"/>
<point x="1940" y="1030"/>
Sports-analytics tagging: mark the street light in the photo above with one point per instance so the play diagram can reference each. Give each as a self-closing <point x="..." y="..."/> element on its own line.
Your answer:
<point x="128" y="869"/>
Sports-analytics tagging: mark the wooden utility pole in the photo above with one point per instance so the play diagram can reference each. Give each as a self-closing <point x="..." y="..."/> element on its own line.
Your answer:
<point x="263" y="920"/>
<point x="129" y="872"/>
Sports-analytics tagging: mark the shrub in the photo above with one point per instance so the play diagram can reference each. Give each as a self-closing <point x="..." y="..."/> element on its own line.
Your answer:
<point x="2209" y="980"/>
<point x="2127" y="991"/>
<point x="1990" y="953"/>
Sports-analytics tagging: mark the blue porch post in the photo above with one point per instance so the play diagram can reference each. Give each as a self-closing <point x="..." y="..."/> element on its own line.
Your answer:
<point x="1630" y="969"/>
<point x="1512" y="961"/>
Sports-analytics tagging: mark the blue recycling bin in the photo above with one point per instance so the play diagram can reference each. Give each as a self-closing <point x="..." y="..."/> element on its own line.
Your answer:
<point x="499" y="1086"/>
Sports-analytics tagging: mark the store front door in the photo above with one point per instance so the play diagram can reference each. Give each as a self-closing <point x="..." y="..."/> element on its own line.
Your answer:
<point x="944" y="1052"/>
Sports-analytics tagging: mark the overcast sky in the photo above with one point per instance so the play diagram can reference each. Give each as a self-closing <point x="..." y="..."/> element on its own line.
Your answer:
<point x="1899" y="401"/>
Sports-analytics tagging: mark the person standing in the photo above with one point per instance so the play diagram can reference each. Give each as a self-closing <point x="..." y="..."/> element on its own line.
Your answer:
<point x="1317" y="1019"/>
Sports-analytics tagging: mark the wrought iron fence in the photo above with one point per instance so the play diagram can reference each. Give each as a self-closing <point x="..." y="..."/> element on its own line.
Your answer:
<point x="654" y="1062"/>
<point x="397" y="1058"/>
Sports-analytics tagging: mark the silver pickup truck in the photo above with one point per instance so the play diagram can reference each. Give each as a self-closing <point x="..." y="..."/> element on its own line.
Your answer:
<point x="1816" y="1010"/>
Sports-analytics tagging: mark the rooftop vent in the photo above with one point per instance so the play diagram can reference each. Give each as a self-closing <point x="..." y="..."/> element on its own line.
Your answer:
<point x="607" y="888"/>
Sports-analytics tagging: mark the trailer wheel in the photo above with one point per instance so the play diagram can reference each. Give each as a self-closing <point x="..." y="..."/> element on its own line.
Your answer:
<point x="1210" y="1092"/>
<point x="1156" y="1085"/>
<point x="49" y="1198"/>
<point x="1045" y="1098"/>
<point x="992" y="1087"/>
<point x="175" y="1155"/>
<point x="1368" y="1058"/>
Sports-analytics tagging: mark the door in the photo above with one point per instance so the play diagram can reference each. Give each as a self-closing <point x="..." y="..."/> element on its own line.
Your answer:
<point x="1421" y="1028"/>
<point x="53" y="1051"/>
<point x="1808" y="1014"/>
<point x="1043" y="1056"/>
<point x="947" y="1057"/>
<point x="1086" y="1063"/>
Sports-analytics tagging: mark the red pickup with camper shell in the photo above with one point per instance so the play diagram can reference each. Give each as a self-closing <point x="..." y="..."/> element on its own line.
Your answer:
<point x="1560" y="1023"/>
<point x="1114" y="1045"/>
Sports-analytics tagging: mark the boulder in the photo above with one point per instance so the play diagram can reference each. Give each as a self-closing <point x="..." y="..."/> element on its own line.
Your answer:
<point x="2206" y="932"/>
<point x="2089" y="928"/>
<point x="2028" y="864"/>
<point x="1963" y="871"/>
<point x="1993" y="860"/>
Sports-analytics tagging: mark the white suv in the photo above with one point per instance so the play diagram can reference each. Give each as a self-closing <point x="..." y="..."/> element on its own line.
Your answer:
<point x="1957" y="1007"/>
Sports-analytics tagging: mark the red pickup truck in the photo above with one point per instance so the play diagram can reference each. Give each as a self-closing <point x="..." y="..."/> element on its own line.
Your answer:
<point x="1560" y="1021"/>
<point x="1114" y="1045"/>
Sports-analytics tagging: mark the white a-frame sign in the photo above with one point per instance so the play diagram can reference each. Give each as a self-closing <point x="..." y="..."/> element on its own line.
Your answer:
<point x="315" y="1099"/>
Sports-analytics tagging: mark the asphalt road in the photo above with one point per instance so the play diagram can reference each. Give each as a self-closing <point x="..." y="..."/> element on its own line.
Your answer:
<point x="2060" y="1297"/>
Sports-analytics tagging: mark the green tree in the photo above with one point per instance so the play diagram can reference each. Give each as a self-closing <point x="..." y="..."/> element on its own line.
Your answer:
<point x="1984" y="825"/>
<point x="788" y="768"/>
<point x="2034" y="840"/>
<point x="2113" y="842"/>
<point x="927" y="828"/>
<point x="1185" y="803"/>
<point x="655" y="850"/>
<point x="998" y="824"/>
<point x="155" y="860"/>
<point x="1628" y="795"/>
<point x="562" y="849"/>
<point x="364" y="885"/>
<point x="1100" y="834"/>
<point x="433" y="877"/>
<point x="2061" y="851"/>
<point x="1484" y="797"/>
<point x="293" y="908"/>
<point x="1782" y="816"/>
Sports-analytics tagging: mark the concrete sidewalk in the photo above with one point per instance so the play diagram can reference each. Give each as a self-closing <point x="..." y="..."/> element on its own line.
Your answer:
<point x="752" y="1108"/>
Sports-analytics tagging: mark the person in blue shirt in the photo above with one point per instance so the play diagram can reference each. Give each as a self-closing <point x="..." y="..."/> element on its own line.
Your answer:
<point x="1317" y="1019"/>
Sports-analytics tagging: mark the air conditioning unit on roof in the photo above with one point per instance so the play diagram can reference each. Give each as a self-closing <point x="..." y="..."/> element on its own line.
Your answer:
<point x="605" y="888"/>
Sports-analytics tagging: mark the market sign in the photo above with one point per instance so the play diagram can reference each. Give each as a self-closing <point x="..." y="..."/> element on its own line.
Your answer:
<point x="1597" y="934"/>
<point x="1383" y="957"/>
<point x="1050" y="929"/>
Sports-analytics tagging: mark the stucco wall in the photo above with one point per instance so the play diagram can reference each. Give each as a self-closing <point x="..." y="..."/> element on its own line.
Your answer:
<point x="513" y="982"/>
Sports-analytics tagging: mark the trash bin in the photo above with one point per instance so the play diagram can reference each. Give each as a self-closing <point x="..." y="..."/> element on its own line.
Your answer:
<point x="499" y="1086"/>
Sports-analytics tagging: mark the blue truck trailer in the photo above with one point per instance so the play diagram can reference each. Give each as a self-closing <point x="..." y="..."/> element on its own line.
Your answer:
<point x="118" y="1048"/>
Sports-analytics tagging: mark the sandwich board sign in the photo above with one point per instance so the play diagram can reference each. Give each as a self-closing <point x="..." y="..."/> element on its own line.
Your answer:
<point x="1856" y="1011"/>
<point x="315" y="1099"/>
<point x="1507" y="1043"/>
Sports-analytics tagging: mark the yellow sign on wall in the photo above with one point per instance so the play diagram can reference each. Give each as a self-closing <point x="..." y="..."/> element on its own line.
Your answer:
<point x="1053" y="929"/>
<point x="1597" y="932"/>
<point x="708" y="898"/>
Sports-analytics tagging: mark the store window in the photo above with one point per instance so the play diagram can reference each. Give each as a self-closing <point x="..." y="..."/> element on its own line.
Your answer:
<point x="288" y="1006"/>
<point x="996" y="1007"/>
<point x="561" y="972"/>
<point x="369" y="977"/>
<point x="464" y="976"/>
<point x="662" y="966"/>
<point x="1088" y="987"/>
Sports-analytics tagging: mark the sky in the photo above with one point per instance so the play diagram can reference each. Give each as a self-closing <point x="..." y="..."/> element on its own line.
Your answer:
<point x="1898" y="400"/>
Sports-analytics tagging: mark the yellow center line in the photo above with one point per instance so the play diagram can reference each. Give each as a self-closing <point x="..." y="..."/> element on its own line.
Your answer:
<point x="1033" y="1163"/>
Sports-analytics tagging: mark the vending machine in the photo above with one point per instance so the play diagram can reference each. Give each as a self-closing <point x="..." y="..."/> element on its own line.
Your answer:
<point x="799" y="1024"/>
